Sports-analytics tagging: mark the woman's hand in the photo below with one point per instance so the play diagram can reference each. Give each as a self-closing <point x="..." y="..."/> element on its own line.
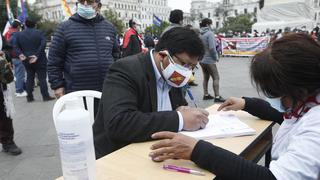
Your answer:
<point x="232" y="103"/>
<point x="174" y="146"/>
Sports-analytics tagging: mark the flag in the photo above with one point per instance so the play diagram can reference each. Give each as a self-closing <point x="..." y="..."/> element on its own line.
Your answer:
<point x="22" y="11"/>
<point x="157" y="21"/>
<point x="9" y="12"/>
<point x="66" y="9"/>
<point x="10" y="18"/>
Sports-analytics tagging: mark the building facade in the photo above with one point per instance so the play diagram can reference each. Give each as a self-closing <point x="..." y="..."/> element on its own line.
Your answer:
<point x="219" y="10"/>
<point x="140" y="10"/>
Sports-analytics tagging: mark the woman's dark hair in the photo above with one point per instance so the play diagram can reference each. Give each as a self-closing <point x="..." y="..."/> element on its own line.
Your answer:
<point x="289" y="67"/>
<point x="176" y="16"/>
<point x="181" y="40"/>
<point x="205" y="22"/>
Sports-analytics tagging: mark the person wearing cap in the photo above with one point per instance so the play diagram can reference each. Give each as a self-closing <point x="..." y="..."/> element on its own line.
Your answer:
<point x="19" y="70"/>
<point x="82" y="50"/>
<point x="132" y="41"/>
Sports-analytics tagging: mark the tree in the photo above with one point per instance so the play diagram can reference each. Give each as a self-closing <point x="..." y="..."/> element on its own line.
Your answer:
<point x="239" y="23"/>
<point x="155" y="30"/>
<point x="48" y="27"/>
<point x="112" y="17"/>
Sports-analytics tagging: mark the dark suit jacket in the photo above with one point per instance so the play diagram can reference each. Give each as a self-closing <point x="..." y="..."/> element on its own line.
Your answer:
<point x="32" y="42"/>
<point x="128" y="107"/>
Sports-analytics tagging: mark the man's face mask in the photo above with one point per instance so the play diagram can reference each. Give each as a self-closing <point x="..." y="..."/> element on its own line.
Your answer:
<point x="86" y="11"/>
<point x="175" y="74"/>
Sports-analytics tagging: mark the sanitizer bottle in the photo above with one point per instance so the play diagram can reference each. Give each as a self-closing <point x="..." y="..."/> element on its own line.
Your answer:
<point x="76" y="142"/>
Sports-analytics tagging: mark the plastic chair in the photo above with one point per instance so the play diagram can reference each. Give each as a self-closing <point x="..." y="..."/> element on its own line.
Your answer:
<point x="86" y="97"/>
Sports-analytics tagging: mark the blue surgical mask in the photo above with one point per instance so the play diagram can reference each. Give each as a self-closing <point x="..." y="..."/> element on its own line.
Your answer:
<point x="87" y="12"/>
<point x="276" y="103"/>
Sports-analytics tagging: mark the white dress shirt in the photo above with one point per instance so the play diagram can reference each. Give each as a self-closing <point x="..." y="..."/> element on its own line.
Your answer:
<point x="163" y="98"/>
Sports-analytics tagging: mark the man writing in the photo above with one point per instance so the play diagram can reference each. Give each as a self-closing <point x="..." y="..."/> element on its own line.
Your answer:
<point x="142" y="94"/>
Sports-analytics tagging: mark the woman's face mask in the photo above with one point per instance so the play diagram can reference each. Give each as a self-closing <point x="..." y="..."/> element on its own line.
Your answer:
<point x="175" y="74"/>
<point x="87" y="12"/>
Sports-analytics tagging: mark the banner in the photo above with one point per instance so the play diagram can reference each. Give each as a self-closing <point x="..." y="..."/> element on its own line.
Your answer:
<point x="243" y="46"/>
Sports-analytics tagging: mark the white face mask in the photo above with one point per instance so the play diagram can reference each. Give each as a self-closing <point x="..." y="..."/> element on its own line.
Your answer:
<point x="175" y="74"/>
<point x="87" y="12"/>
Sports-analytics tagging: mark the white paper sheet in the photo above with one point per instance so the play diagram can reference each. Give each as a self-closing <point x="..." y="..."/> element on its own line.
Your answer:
<point x="221" y="126"/>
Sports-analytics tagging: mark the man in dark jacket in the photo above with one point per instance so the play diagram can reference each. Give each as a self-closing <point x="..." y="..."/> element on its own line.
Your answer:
<point x="82" y="50"/>
<point x="30" y="46"/>
<point x="142" y="94"/>
<point x="132" y="40"/>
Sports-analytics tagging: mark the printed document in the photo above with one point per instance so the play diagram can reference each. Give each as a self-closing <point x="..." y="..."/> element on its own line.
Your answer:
<point x="221" y="126"/>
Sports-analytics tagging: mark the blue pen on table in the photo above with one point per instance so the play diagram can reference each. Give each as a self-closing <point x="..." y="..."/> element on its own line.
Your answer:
<point x="183" y="170"/>
<point x="191" y="96"/>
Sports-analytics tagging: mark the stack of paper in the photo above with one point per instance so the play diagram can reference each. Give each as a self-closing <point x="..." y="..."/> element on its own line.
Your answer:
<point x="221" y="126"/>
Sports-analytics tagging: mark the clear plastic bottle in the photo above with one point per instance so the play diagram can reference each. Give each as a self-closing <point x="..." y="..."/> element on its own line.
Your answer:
<point x="76" y="142"/>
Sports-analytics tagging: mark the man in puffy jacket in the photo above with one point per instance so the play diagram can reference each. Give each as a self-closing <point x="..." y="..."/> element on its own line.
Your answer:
<point x="82" y="50"/>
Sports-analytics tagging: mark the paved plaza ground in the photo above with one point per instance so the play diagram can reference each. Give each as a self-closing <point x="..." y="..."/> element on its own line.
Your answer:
<point x="35" y="132"/>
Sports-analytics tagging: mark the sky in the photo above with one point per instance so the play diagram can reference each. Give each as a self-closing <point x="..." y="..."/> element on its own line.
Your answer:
<point x="184" y="5"/>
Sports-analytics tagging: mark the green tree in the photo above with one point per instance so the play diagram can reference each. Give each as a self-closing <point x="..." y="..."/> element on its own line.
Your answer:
<point x="239" y="23"/>
<point x="33" y="13"/>
<point x="112" y="17"/>
<point x="48" y="27"/>
<point x="155" y="30"/>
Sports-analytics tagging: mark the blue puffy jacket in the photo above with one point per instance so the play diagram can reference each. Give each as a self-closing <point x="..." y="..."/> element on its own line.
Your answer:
<point x="81" y="53"/>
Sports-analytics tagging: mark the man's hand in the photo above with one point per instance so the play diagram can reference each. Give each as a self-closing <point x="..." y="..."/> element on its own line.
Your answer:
<point x="22" y="57"/>
<point x="33" y="59"/>
<point x="193" y="118"/>
<point x="232" y="103"/>
<point x="1" y="53"/>
<point x="174" y="146"/>
<point x="59" y="92"/>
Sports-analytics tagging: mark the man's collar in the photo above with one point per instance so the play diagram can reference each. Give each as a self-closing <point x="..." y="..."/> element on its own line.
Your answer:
<point x="155" y="68"/>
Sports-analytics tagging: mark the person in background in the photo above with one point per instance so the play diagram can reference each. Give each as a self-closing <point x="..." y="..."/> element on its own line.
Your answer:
<point x="148" y="41"/>
<point x="209" y="60"/>
<point x="176" y="20"/>
<point x="289" y="70"/>
<point x="132" y="41"/>
<point x="6" y="112"/>
<point x="142" y="94"/>
<point x="19" y="69"/>
<point x="30" y="46"/>
<point x="82" y="50"/>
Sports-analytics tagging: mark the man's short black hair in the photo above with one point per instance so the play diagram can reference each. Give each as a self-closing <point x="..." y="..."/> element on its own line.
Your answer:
<point x="181" y="40"/>
<point x="176" y="16"/>
<point x="30" y="23"/>
<point x="205" y="22"/>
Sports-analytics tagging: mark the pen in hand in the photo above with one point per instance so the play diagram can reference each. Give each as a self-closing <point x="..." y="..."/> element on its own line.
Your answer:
<point x="183" y="170"/>
<point x="191" y="97"/>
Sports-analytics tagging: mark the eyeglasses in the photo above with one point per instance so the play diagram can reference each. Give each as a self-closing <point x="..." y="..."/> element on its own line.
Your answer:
<point x="190" y="66"/>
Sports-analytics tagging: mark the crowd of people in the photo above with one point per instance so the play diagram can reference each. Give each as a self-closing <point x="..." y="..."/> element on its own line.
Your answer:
<point x="144" y="85"/>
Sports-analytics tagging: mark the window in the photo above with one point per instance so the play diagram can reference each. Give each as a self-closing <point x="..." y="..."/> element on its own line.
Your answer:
<point x="236" y="12"/>
<point x="245" y="11"/>
<point x="255" y="10"/>
<point x="217" y="24"/>
<point x="315" y="16"/>
<point x="208" y="15"/>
